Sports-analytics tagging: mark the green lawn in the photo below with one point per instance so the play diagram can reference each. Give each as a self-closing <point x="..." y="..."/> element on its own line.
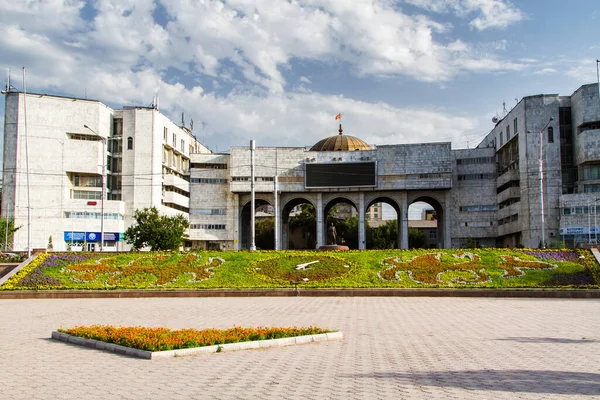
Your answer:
<point x="481" y="268"/>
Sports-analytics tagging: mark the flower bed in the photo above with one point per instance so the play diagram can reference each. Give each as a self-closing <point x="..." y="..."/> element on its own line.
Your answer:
<point x="485" y="268"/>
<point x="161" y="339"/>
<point x="302" y="268"/>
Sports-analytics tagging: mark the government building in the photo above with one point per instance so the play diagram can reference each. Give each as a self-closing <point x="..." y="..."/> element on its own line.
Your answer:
<point x="76" y="170"/>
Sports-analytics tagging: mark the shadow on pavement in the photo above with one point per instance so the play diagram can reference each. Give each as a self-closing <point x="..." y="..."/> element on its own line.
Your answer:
<point x="524" y="381"/>
<point x="550" y="340"/>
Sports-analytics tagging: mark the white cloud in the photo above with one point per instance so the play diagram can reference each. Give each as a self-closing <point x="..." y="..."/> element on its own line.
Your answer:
<point x="124" y="57"/>
<point x="545" y="71"/>
<point x="583" y="70"/>
<point x="42" y="16"/>
<point x="261" y="37"/>
<point x="305" y="118"/>
<point x="256" y="40"/>
<point x="490" y="13"/>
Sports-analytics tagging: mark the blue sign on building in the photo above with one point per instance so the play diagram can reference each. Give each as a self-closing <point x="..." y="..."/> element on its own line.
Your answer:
<point x="92" y="236"/>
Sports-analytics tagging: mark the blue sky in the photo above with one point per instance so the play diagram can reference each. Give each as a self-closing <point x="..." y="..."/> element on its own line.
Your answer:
<point x="278" y="71"/>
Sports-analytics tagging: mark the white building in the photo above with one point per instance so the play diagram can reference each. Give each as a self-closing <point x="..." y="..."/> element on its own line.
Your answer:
<point x="493" y="195"/>
<point x="63" y="149"/>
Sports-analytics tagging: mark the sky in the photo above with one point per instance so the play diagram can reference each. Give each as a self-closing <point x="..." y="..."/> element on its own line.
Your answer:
<point x="279" y="71"/>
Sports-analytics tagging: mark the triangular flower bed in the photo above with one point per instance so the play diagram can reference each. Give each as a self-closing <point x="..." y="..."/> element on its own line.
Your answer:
<point x="152" y="343"/>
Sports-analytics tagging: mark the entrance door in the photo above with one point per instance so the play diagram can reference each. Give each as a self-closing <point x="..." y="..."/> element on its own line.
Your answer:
<point x="91" y="247"/>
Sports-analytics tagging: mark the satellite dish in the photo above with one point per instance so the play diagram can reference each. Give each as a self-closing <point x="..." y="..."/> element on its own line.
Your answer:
<point x="495" y="120"/>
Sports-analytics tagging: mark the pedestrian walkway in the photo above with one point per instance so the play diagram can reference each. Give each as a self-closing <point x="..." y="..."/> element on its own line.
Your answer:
<point x="393" y="348"/>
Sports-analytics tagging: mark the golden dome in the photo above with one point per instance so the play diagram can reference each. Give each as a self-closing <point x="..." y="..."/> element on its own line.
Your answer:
<point x="340" y="142"/>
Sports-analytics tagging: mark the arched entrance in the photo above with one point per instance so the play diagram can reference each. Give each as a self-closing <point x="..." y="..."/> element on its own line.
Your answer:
<point x="429" y="227"/>
<point x="343" y="214"/>
<point x="264" y="225"/>
<point x="299" y="231"/>
<point x="382" y="233"/>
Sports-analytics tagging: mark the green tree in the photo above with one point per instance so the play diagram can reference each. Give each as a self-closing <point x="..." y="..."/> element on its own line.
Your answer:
<point x="265" y="233"/>
<point x="6" y="234"/>
<point x="416" y="238"/>
<point x="306" y="219"/>
<point x="159" y="232"/>
<point x="384" y="236"/>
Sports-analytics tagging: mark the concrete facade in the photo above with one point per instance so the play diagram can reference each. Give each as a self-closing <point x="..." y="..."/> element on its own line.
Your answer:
<point x="488" y="196"/>
<point x="144" y="155"/>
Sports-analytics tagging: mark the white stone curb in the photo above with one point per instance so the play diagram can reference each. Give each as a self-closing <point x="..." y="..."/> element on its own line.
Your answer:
<point x="258" y="344"/>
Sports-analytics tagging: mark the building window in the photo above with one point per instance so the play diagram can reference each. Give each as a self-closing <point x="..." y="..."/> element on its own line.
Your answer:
<point x="208" y="180"/>
<point x="491" y="207"/>
<point x="209" y="166"/>
<point x="515" y="126"/>
<point x="591" y="172"/>
<point x="432" y="234"/>
<point x="593" y="188"/>
<point x="86" y="195"/>
<point x="129" y="143"/>
<point x="92" y="215"/>
<point x="501" y="138"/>
<point x="182" y="146"/>
<point x="208" y="226"/>
<point x="165" y="133"/>
<point x="507" y="133"/>
<point x="174" y="140"/>
<point x="472" y="177"/>
<point x="78" y="136"/>
<point x="207" y="211"/>
<point x="550" y="134"/>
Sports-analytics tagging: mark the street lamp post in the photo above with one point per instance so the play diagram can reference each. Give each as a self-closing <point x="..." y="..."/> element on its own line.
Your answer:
<point x="596" y="221"/>
<point x="541" y="160"/>
<point x="103" y="186"/>
<point x="589" y="211"/>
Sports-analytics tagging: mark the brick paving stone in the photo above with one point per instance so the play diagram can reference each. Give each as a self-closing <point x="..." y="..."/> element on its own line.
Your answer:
<point x="393" y="347"/>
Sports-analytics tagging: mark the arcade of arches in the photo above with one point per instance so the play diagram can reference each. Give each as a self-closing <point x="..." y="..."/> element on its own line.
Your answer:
<point x="324" y="201"/>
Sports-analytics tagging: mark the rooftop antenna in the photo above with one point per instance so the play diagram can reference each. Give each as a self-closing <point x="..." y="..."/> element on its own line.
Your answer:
<point x="182" y="120"/>
<point x="7" y="86"/>
<point x="504" y="112"/>
<point x="191" y="124"/>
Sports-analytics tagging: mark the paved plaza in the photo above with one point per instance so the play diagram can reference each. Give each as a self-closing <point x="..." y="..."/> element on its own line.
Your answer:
<point x="394" y="348"/>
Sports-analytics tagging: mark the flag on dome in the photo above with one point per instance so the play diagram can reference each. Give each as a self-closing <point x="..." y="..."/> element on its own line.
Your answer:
<point x="338" y="116"/>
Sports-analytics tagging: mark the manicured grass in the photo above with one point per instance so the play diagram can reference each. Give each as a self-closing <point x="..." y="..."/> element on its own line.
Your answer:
<point x="481" y="268"/>
<point x="161" y="339"/>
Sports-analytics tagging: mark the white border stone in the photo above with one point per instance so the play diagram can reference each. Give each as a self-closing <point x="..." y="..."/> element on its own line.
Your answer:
<point x="150" y="355"/>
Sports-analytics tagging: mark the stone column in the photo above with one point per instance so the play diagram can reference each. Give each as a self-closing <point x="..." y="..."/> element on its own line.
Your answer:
<point x="447" y="240"/>
<point x="237" y="232"/>
<point x="320" y="230"/>
<point x="362" y="241"/>
<point x="403" y="217"/>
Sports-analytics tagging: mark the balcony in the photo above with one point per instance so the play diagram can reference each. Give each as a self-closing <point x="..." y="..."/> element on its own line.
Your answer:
<point x="176" y="198"/>
<point x="510" y="193"/>
<point x="509" y="176"/>
<point x="179" y="183"/>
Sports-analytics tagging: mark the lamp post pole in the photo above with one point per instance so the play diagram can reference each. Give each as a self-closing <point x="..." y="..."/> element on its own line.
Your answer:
<point x="596" y="221"/>
<point x="103" y="186"/>
<point x="589" y="207"/>
<point x="252" y="199"/>
<point x="541" y="160"/>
